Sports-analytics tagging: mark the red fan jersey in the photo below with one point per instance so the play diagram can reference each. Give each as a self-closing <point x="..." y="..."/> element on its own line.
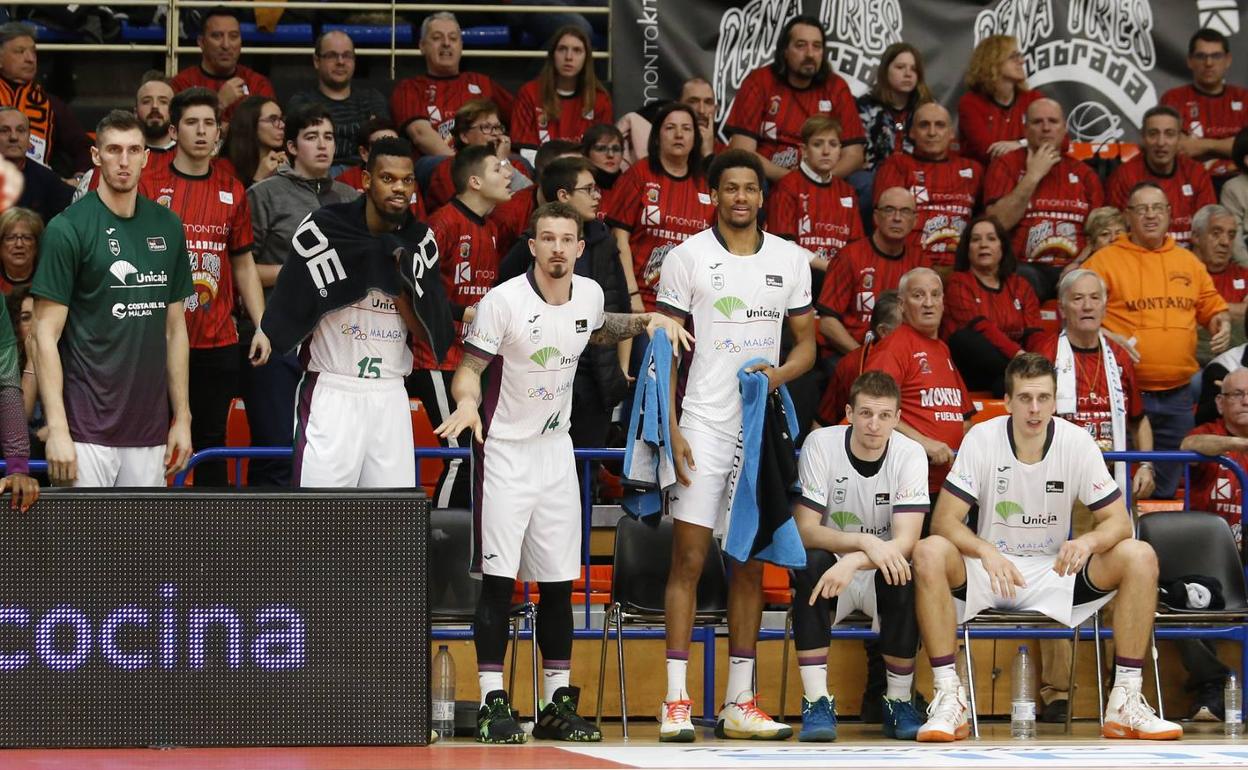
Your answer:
<point x="468" y="256"/>
<point x="982" y="122"/>
<point x="836" y="396"/>
<point x="531" y="126"/>
<point x="1232" y="283"/>
<point x="658" y="211"/>
<point x="857" y="276"/>
<point x="820" y="216"/>
<point x="1215" y="488"/>
<point x="1092" y="387"/>
<point x="934" y="400"/>
<point x="1004" y="316"/>
<point x="1051" y="230"/>
<point x="216" y="218"/>
<point x="442" y="186"/>
<point x="945" y="192"/>
<point x="437" y="99"/>
<point x="1187" y="188"/>
<point x="195" y="77"/>
<point x="771" y="111"/>
<point x="353" y="177"/>
<point x="512" y="218"/>
<point x="1210" y="116"/>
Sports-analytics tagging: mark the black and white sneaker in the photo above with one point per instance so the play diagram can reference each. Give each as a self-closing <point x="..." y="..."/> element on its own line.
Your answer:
<point x="496" y="723"/>
<point x="560" y="722"/>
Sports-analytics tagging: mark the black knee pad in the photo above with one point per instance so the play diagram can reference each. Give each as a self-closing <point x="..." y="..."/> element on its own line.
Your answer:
<point x="554" y="620"/>
<point x="811" y="623"/>
<point x="899" y="627"/>
<point x="491" y="621"/>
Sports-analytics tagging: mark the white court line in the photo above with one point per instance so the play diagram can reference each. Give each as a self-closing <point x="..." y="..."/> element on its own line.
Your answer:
<point x="1129" y="755"/>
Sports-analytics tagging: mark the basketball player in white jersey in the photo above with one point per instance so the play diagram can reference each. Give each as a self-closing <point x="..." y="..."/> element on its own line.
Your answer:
<point x="530" y="331"/>
<point x="740" y="286"/>
<point x="353" y="422"/>
<point x="863" y="499"/>
<point x="1025" y="471"/>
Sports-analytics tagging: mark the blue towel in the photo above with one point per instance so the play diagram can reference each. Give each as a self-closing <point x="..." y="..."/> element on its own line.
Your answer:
<point x="648" y="464"/>
<point x="764" y="476"/>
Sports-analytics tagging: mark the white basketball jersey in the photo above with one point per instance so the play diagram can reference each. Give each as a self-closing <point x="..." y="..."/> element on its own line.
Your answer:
<point x="539" y="345"/>
<point x="1025" y="510"/>
<point x="367" y="340"/>
<point x="852" y="502"/>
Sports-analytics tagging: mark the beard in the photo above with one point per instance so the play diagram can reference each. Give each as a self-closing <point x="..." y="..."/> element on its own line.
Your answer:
<point x="156" y="132"/>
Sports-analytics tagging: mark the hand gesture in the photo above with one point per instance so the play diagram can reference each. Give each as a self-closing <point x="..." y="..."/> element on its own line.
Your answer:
<point x="888" y="558"/>
<point x="675" y="331"/>
<point x="231" y="91"/>
<point x="1002" y="574"/>
<point x="832" y="582"/>
<point x="1041" y="160"/>
<point x="1073" y="557"/>
<point x="464" y="417"/>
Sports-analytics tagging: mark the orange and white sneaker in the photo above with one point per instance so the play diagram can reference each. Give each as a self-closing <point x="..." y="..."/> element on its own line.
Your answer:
<point x="675" y="724"/>
<point x="947" y="717"/>
<point x="744" y="720"/>
<point x="1128" y="715"/>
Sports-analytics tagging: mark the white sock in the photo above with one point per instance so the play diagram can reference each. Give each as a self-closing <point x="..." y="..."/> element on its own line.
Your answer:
<point x="553" y="679"/>
<point x="489" y="682"/>
<point x="1129" y="677"/>
<point x="814" y="680"/>
<point x="899" y="685"/>
<point x="740" y="678"/>
<point x="676" y="679"/>
<point x="945" y="677"/>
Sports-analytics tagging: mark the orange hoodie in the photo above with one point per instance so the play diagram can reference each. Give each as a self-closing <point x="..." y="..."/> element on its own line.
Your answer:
<point x="1157" y="296"/>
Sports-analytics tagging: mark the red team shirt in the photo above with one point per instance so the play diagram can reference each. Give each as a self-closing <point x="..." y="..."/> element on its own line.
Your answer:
<point x="437" y="99"/>
<point x="658" y="211"/>
<point x="468" y="255"/>
<point x="194" y="76"/>
<point x="934" y="400"/>
<point x="1187" y="189"/>
<point x="945" y="192"/>
<point x="1208" y="116"/>
<point x="216" y="219"/>
<point x="1051" y="230"/>
<point x="1215" y="488"/>
<point x="1004" y="316"/>
<point x="1092" y="388"/>
<point x="531" y="127"/>
<point x="442" y="186"/>
<point x="857" y="276"/>
<point x="1232" y="283"/>
<point x="982" y="122"/>
<point x="354" y="178"/>
<point x="820" y="216"/>
<point x="510" y="219"/>
<point x="771" y="111"/>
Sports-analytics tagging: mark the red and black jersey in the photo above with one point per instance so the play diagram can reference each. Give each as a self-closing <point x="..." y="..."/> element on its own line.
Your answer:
<point x="1216" y="488"/>
<point x="946" y="192"/>
<point x="442" y="187"/>
<point x="195" y="77"/>
<point x="468" y="256"/>
<point x="836" y="396"/>
<point x="857" y="276"/>
<point x="1005" y="316"/>
<point x="934" y="400"/>
<point x="771" y="111"/>
<point x="982" y="122"/>
<point x="531" y="127"/>
<point x="437" y="99"/>
<point x="1051" y="229"/>
<point x="820" y="216"/>
<point x="216" y="219"/>
<point x="1211" y="116"/>
<point x="1187" y="188"/>
<point x="353" y="177"/>
<point x="512" y="218"/>
<point x="1092" y="387"/>
<point x="659" y="211"/>
<point x="1232" y="283"/>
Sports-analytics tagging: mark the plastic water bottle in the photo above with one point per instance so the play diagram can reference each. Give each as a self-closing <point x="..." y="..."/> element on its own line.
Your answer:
<point x="1023" y="700"/>
<point x="1233" y="724"/>
<point x="444" y="693"/>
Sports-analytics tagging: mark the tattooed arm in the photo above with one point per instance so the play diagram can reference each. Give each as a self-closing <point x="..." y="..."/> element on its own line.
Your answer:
<point x="466" y="390"/>
<point x="623" y="326"/>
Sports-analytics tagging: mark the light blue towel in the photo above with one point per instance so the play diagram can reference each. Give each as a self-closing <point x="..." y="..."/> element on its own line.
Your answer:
<point x="648" y="464"/>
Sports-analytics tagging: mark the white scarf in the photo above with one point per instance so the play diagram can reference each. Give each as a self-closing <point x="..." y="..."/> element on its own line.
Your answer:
<point x="1068" y="399"/>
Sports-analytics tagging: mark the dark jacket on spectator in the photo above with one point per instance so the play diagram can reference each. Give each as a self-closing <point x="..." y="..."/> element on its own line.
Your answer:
<point x="44" y="192"/>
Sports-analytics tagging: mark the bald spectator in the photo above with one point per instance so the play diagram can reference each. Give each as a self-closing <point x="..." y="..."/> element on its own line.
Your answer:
<point x="424" y="106"/>
<point x="57" y="139"/>
<point x="349" y="105"/>
<point x="1043" y="198"/>
<point x="1158" y="293"/>
<point x="220" y="43"/>
<point x="946" y="187"/>
<point x="1184" y="181"/>
<point x="44" y="192"/>
<point x="1213" y="110"/>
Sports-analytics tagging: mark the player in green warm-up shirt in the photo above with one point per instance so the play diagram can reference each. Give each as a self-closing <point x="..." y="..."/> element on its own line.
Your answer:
<point x="110" y="331"/>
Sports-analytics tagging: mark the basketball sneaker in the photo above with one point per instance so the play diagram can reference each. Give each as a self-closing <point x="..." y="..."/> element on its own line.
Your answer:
<point x="818" y="720"/>
<point x="946" y="717"/>
<point x="1128" y="715"/>
<point x="901" y="719"/>
<point x="560" y="722"/>
<point x="743" y="719"/>
<point x="675" y="723"/>
<point x="495" y="723"/>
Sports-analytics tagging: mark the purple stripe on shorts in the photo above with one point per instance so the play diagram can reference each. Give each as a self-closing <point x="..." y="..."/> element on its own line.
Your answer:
<point x="477" y="464"/>
<point x="303" y="412"/>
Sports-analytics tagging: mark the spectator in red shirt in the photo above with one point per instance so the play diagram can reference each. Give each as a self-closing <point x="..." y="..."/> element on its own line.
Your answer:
<point x="884" y="320"/>
<point x="603" y="145"/>
<point x="946" y="187"/>
<point x="990" y="311"/>
<point x="476" y="123"/>
<point x="1185" y="181"/>
<point x="774" y="101"/>
<point x="992" y="112"/>
<point x="1213" y="228"/>
<point x="256" y="144"/>
<point x="1213" y="110"/>
<point x="220" y="42"/>
<point x="565" y="98"/>
<point x="1043" y="197"/>
<point x="698" y="94"/>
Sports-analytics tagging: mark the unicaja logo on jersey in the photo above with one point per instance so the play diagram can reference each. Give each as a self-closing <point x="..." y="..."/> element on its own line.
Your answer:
<point x="545" y="354"/>
<point x="729" y="305"/>
<point x="845" y="519"/>
<point x="129" y="277"/>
